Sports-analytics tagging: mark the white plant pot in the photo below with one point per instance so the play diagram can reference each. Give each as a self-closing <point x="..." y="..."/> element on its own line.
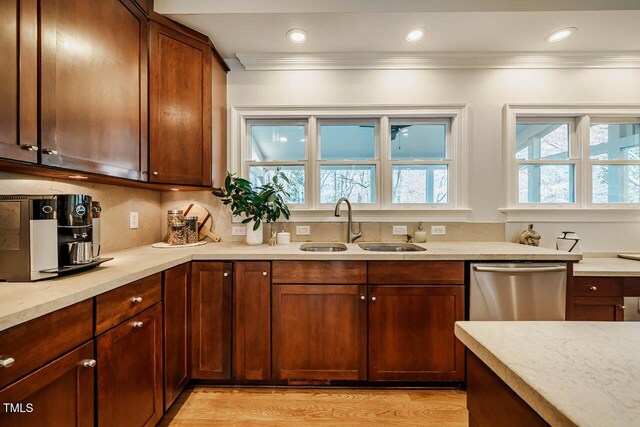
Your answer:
<point x="254" y="237"/>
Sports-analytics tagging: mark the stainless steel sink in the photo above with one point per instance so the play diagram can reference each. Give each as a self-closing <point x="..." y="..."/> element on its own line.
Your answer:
<point x="323" y="247"/>
<point x="391" y="247"/>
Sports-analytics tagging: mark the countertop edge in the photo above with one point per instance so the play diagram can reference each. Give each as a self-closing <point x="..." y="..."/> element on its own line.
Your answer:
<point x="530" y="395"/>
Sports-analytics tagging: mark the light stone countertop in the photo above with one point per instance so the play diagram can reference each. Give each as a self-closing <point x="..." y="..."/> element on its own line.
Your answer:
<point x="570" y="373"/>
<point x="21" y="302"/>
<point x="607" y="267"/>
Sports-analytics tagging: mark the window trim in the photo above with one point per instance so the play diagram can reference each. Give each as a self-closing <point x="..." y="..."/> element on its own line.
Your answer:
<point x="583" y="114"/>
<point x="457" y="208"/>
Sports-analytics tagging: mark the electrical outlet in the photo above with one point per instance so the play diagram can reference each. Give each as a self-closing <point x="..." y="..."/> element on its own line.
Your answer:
<point x="239" y="230"/>
<point x="303" y="230"/>
<point x="438" y="230"/>
<point x="400" y="230"/>
<point x="133" y="220"/>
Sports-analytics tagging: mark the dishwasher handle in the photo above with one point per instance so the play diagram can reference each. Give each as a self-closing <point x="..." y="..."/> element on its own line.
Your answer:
<point x="558" y="268"/>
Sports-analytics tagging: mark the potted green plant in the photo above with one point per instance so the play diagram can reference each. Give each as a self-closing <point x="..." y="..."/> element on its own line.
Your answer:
<point x="261" y="204"/>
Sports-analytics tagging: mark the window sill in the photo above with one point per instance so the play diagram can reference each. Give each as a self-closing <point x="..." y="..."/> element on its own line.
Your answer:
<point x="363" y="215"/>
<point x="572" y="214"/>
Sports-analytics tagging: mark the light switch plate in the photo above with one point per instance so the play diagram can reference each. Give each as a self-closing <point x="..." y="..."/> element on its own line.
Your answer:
<point x="438" y="230"/>
<point x="239" y="230"/>
<point x="133" y="220"/>
<point x="303" y="230"/>
<point x="400" y="230"/>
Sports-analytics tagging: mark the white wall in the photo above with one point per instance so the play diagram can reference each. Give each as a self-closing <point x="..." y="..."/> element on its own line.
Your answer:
<point x="484" y="91"/>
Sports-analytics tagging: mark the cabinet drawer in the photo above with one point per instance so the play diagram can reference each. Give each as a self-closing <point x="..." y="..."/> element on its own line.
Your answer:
<point x="416" y="272"/>
<point x="34" y="343"/>
<point x="120" y="304"/>
<point x="319" y="272"/>
<point x="598" y="286"/>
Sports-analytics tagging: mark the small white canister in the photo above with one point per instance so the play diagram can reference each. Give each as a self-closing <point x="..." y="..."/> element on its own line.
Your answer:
<point x="568" y="242"/>
<point x="283" y="238"/>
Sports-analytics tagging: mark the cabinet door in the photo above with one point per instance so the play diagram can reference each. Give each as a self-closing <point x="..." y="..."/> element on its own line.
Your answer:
<point x="598" y="309"/>
<point x="319" y="332"/>
<point x="252" y="321"/>
<point x="180" y="108"/>
<point x="411" y="333"/>
<point x="130" y="371"/>
<point x="19" y="80"/>
<point x="211" y="320"/>
<point x="176" y="336"/>
<point x="58" y="394"/>
<point x="94" y="86"/>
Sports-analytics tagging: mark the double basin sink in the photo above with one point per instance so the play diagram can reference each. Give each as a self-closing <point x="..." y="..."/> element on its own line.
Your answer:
<point x="372" y="247"/>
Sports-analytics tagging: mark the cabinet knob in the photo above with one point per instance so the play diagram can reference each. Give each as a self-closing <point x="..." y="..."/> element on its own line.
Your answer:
<point x="6" y="361"/>
<point x="50" y="151"/>
<point x="138" y="324"/>
<point x="622" y="307"/>
<point x="155" y="173"/>
<point x="136" y="299"/>
<point x="593" y="288"/>
<point x="264" y="273"/>
<point x="30" y="147"/>
<point x="225" y="274"/>
<point x="362" y="297"/>
<point x="373" y="298"/>
<point x="88" y="363"/>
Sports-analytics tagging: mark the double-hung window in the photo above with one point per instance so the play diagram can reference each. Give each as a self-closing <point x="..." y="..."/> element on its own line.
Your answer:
<point x="399" y="159"/>
<point x="580" y="158"/>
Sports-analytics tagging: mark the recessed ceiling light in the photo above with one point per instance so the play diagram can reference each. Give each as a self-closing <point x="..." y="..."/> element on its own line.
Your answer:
<point x="562" y="34"/>
<point x="296" y="35"/>
<point x="415" y="35"/>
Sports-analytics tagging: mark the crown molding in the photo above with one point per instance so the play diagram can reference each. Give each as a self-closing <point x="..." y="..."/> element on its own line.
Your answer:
<point x="437" y="60"/>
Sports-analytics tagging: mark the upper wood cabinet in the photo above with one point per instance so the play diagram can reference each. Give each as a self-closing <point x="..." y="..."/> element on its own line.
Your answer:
<point x="19" y="80"/>
<point x="94" y="87"/>
<point x="180" y="103"/>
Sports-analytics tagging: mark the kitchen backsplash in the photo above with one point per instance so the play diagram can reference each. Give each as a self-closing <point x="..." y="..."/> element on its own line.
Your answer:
<point x="332" y="231"/>
<point x="116" y="204"/>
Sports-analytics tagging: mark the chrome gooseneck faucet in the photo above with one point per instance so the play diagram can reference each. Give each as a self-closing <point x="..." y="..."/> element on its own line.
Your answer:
<point x="351" y="236"/>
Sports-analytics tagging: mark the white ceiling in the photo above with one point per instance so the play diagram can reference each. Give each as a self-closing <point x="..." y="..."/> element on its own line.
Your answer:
<point x="258" y="26"/>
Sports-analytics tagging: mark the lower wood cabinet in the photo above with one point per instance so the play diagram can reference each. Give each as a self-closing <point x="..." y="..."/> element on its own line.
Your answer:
<point x="129" y="356"/>
<point x="411" y="333"/>
<point x="252" y="321"/>
<point x="60" y="393"/>
<point x="598" y="309"/>
<point x="210" y="317"/>
<point x="598" y="299"/>
<point x="319" y="332"/>
<point x="176" y="331"/>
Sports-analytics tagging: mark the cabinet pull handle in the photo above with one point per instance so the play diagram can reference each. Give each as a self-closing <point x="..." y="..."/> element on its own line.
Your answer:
<point x="30" y="147"/>
<point x="373" y="298"/>
<point x="50" y="151"/>
<point x="593" y="288"/>
<point x="88" y="363"/>
<point x="138" y="324"/>
<point x="622" y="307"/>
<point x="362" y="297"/>
<point x="6" y="361"/>
<point x="136" y="299"/>
<point x="225" y="274"/>
<point x="264" y="273"/>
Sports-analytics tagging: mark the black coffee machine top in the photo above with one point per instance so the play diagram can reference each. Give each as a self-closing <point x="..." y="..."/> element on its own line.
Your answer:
<point x="74" y="210"/>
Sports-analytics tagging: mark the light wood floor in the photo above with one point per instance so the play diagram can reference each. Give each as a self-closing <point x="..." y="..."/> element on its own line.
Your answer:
<point x="210" y="406"/>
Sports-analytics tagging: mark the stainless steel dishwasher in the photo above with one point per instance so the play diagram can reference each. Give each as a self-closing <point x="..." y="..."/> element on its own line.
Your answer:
<point x="518" y="291"/>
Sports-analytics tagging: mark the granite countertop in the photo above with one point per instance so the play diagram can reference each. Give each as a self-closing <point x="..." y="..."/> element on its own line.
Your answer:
<point x="21" y="302"/>
<point x="570" y="373"/>
<point x="607" y="267"/>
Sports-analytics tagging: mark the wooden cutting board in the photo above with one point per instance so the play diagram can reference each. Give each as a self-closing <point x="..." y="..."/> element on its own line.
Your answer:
<point x="205" y="221"/>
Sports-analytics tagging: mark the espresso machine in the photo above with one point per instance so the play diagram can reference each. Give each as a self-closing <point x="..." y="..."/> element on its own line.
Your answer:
<point x="42" y="237"/>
